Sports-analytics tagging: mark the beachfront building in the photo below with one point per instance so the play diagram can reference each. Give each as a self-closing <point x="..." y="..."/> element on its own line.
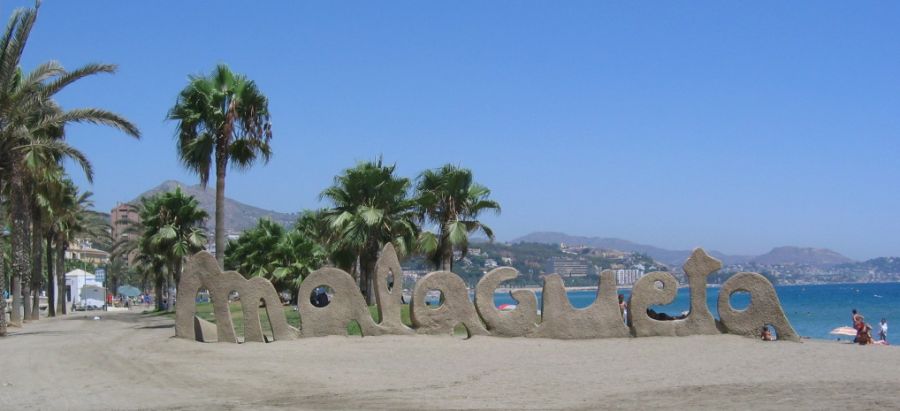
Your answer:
<point x="82" y="289"/>
<point x="629" y="276"/>
<point x="567" y="267"/>
<point x="83" y="250"/>
<point x="121" y="217"/>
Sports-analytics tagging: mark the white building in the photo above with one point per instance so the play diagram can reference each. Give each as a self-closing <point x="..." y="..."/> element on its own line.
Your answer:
<point x="629" y="276"/>
<point x="81" y="289"/>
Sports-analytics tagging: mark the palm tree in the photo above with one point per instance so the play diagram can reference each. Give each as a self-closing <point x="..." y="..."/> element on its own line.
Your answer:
<point x="172" y="231"/>
<point x="250" y="254"/>
<point x="153" y="270"/>
<point x="371" y="207"/>
<point x="449" y="198"/>
<point x="282" y="256"/>
<point x="44" y="177"/>
<point x="315" y="225"/>
<point x="295" y="256"/>
<point x="222" y="119"/>
<point x="71" y="220"/>
<point x="28" y="120"/>
<point x="4" y="232"/>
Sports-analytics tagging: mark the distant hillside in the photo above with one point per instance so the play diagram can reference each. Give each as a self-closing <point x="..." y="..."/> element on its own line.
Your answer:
<point x="238" y="216"/>
<point x="673" y="258"/>
<point x="800" y="255"/>
<point x="880" y="265"/>
<point x="778" y="255"/>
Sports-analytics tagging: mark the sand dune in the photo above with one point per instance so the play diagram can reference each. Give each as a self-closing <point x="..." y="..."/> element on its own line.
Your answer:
<point x="131" y="361"/>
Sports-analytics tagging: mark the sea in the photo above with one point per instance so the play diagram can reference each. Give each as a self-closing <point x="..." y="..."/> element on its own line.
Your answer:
<point x="813" y="310"/>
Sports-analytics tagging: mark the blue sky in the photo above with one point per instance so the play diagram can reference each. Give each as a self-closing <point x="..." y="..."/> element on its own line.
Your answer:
<point x="728" y="125"/>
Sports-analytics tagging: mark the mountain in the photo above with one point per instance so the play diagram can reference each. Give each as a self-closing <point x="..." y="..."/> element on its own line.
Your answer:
<point x="675" y="258"/>
<point x="238" y="216"/>
<point x="801" y="255"/>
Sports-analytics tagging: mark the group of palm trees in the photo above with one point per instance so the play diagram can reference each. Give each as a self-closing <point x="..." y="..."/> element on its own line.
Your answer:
<point x="42" y="208"/>
<point x="222" y="120"/>
<point x="370" y="206"/>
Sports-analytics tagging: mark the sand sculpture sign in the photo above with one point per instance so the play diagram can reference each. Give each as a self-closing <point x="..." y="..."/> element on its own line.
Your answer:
<point x="558" y="319"/>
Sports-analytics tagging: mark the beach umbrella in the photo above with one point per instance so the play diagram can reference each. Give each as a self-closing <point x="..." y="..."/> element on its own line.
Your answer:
<point x="128" y="291"/>
<point x="848" y="331"/>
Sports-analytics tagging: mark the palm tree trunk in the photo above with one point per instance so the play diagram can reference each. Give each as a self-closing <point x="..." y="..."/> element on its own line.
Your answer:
<point x="2" y="298"/>
<point x="51" y="278"/>
<point x="221" y="163"/>
<point x="26" y="279"/>
<point x="170" y="296"/>
<point x="113" y="282"/>
<point x="170" y="301"/>
<point x="18" y="245"/>
<point x="37" y="259"/>
<point x="367" y="270"/>
<point x="446" y="249"/>
<point x="447" y="259"/>
<point x="176" y="279"/>
<point x="159" y="292"/>
<point x="176" y="272"/>
<point x="15" y="312"/>
<point x="61" y="276"/>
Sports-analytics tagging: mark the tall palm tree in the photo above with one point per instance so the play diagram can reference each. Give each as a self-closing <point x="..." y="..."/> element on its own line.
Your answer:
<point x="4" y="231"/>
<point x="71" y="220"/>
<point x="371" y="207"/>
<point x="222" y="119"/>
<point x="26" y="123"/>
<point x="449" y="198"/>
<point x="173" y="230"/>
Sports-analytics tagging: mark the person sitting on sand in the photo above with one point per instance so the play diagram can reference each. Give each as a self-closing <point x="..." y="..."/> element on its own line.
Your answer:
<point x="766" y="335"/>
<point x="863" y="332"/>
<point x="857" y="323"/>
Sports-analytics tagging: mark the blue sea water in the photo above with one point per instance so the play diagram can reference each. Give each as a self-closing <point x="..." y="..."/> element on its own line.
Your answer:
<point x="813" y="310"/>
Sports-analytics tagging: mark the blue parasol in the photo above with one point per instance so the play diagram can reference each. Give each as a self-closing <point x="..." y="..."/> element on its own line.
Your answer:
<point x="128" y="291"/>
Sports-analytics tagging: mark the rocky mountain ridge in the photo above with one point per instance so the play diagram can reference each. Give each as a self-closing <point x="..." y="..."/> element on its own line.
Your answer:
<point x="238" y="216"/>
<point x="785" y="255"/>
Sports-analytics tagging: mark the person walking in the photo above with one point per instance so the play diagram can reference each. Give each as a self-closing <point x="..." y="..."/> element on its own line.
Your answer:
<point x="882" y="334"/>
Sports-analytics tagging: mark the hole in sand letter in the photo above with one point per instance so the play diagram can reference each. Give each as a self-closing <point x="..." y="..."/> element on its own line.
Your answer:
<point x="321" y="296"/>
<point x="740" y="300"/>
<point x="434" y="299"/>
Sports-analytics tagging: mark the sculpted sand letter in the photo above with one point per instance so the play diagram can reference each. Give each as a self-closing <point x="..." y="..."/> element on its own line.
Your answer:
<point x="764" y="309"/>
<point x="455" y="308"/>
<point x="347" y="304"/>
<point x="390" y="300"/>
<point x="645" y="294"/>
<point x="202" y="271"/>
<point x="190" y="284"/>
<point x="602" y="319"/>
<point x="515" y="323"/>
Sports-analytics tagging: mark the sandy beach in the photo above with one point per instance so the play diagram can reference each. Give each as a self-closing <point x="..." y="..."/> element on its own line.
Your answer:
<point x="131" y="361"/>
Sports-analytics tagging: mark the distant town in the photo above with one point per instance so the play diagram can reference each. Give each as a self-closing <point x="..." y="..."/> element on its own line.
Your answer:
<point x="578" y="261"/>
